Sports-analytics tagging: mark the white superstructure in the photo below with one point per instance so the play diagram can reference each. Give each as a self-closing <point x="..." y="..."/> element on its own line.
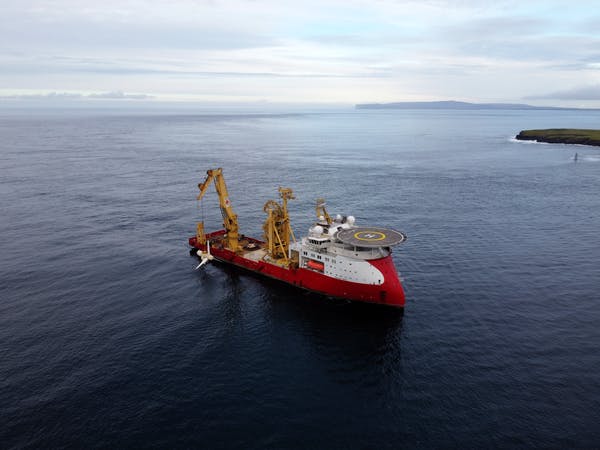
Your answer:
<point x="343" y="250"/>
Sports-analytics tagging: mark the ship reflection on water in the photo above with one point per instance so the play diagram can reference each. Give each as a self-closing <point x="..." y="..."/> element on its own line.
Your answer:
<point x="356" y="337"/>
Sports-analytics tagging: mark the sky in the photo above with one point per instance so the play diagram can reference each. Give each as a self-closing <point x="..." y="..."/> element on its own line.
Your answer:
<point x="302" y="51"/>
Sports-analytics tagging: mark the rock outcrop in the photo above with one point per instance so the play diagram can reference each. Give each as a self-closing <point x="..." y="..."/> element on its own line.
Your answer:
<point x="561" y="136"/>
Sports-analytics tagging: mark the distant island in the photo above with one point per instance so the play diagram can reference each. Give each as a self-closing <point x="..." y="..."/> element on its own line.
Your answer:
<point x="561" y="136"/>
<point x="458" y="105"/>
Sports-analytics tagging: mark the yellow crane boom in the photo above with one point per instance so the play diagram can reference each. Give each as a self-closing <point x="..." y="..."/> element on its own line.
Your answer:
<point x="230" y="221"/>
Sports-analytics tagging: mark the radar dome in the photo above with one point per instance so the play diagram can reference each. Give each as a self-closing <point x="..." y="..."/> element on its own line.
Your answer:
<point x="351" y="220"/>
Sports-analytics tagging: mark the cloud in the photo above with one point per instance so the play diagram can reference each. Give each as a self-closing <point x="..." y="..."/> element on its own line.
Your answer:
<point x="119" y="95"/>
<point x="135" y="24"/>
<point x="590" y="92"/>
<point x="115" y="95"/>
<point x="355" y="50"/>
<point x="48" y="96"/>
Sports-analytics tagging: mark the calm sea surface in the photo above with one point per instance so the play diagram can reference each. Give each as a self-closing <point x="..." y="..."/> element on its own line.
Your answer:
<point x="109" y="338"/>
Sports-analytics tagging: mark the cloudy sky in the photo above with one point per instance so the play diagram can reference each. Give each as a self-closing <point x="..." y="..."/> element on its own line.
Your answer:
<point x="347" y="51"/>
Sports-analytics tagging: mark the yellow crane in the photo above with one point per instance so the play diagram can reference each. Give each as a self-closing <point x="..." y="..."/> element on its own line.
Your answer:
<point x="230" y="221"/>
<point x="277" y="228"/>
<point x="322" y="212"/>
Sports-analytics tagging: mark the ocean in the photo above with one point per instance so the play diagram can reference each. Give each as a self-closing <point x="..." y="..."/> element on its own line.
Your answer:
<point x="110" y="338"/>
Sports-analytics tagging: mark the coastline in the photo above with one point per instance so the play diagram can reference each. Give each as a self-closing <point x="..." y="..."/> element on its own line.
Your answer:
<point x="561" y="136"/>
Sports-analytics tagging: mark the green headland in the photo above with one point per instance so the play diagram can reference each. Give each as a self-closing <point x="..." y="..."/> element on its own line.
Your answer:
<point x="562" y="136"/>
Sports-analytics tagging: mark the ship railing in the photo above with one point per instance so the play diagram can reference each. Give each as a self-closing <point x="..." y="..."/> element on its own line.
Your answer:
<point x="360" y="252"/>
<point x="320" y="247"/>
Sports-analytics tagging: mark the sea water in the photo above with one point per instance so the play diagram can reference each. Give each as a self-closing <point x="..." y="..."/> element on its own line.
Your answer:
<point x="109" y="338"/>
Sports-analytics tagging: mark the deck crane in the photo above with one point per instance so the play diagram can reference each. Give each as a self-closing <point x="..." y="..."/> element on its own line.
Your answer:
<point x="277" y="229"/>
<point x="322" y="212"/>
<point x="230" y="221"/>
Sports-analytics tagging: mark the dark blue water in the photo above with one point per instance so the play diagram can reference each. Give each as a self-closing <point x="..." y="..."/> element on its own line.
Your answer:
<point x="108" y="337"/>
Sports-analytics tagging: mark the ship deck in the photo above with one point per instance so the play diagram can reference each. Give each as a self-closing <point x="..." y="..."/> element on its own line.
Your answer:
<point x="251" y="249"/>
<point x="255" y="255"/>
<point x="371" y="237"/>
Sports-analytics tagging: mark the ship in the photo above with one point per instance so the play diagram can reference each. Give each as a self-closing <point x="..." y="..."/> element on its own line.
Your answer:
<point x="337" y="258"/>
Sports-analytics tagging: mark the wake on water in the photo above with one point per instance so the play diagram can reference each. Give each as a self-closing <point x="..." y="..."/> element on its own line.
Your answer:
<point x="580" y="157"/>
<point x="590" y="158"/>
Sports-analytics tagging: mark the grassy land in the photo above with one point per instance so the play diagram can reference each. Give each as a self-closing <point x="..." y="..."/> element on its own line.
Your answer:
<point x="562" y="136"/>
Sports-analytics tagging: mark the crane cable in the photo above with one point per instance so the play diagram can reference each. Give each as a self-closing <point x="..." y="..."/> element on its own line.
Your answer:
<point x="200" y="205"/>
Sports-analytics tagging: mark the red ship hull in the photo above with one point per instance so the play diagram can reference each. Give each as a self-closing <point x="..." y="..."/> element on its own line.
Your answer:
<point x="388" y="293"/>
